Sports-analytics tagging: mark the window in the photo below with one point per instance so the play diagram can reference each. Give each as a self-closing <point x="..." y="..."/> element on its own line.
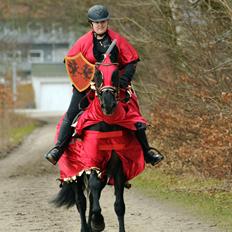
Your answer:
<point x="36" y="56"/>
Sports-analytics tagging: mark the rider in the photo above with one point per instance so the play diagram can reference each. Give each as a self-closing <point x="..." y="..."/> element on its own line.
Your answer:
<point x="93" y="45"/>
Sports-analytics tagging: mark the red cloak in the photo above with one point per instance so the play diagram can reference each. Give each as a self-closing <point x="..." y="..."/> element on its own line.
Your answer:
<point x="84" y="44"/>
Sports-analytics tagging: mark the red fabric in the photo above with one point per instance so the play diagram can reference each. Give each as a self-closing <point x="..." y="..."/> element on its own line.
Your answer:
<point x="84" y="45"/>
<point x="95" y="151"/>
<point x="125" y="115"/>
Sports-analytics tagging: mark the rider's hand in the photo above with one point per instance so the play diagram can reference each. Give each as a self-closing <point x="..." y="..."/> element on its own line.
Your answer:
<point x="124" y="82"/>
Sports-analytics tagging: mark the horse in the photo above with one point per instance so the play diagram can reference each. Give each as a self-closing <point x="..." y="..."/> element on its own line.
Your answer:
<point x="111" y="168"/>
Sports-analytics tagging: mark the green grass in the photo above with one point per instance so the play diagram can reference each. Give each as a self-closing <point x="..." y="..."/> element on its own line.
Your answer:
<point x="209" y="198"/>
<point x="14" y="128"/>
<point x="18" y="134"/>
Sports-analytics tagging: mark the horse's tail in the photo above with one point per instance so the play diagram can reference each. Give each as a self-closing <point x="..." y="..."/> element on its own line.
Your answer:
<point x="65" y="197"/>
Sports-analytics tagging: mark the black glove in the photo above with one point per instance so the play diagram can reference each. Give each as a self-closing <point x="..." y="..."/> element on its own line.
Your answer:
<point x="124" y="82"/>
<point x="127" y="75"/>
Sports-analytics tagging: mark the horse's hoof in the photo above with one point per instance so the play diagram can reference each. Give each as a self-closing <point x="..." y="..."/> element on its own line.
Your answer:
<point x="86" y="230"/>
<point x="97" y="223"/>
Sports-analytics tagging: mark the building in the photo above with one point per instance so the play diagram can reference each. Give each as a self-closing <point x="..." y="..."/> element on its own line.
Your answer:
<point x="51" y="86"/>
<point x="38" y="54"/>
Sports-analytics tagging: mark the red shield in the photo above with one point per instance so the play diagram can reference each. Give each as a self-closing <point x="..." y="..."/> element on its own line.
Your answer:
<point x="80" y="71"/>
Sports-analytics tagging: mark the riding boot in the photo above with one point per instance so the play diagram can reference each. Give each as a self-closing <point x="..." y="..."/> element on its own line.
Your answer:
<point x="151" y="155"/>
<point x="65" y="135"/>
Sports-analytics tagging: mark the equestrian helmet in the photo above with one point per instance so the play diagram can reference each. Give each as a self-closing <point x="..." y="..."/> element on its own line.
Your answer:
<point x="98" y="13"/>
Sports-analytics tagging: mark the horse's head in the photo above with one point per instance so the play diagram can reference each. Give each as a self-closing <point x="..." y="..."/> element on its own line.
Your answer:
<point x="107" y="83"/>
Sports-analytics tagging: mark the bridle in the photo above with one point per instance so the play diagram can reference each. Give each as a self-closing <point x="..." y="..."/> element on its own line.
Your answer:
<point x="99" y="90"/>
<point x="106" y="80"/>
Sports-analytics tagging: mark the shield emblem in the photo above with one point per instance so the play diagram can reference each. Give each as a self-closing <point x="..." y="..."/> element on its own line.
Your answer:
<point x="80" y="71"/>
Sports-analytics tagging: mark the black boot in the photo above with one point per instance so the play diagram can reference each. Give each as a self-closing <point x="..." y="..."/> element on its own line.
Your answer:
<point x="54" y="154"/>
<point x="151" y="155"/>
<point x="63" y="140"/>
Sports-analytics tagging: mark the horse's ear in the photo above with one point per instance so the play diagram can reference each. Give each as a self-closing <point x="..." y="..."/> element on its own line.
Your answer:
<point x="98" y="78"/>
<point x="115" y="78"/>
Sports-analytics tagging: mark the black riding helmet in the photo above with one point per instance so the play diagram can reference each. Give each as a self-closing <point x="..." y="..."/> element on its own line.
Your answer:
<point x="98" y="13"/>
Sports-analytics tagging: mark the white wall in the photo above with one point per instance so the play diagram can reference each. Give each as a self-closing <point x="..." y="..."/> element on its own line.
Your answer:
<point x="52" y="93"/>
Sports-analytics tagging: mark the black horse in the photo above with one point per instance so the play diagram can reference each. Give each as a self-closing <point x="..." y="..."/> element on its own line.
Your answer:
<point x="73" y="193"/>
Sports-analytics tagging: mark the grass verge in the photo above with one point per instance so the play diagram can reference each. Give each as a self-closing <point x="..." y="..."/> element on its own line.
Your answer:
<point x="14" y="128"/>
<point x="209" y="198"/>
<point x="18" y="134"/>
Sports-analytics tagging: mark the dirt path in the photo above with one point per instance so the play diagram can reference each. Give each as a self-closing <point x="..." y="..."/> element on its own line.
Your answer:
<point x="28" y="182"/>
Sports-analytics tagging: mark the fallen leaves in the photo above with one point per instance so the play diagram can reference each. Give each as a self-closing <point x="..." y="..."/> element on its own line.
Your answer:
<point x="200" y="144"/>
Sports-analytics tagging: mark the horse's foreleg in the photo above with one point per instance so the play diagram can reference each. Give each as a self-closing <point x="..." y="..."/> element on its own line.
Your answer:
<point x="80" y="204"/>
<point x="96" y="186"/>
<point x="90" y="209"/>
<point x="119" y="205"/>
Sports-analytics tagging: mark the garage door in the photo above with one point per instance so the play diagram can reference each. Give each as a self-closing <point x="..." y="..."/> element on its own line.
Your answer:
<point x="55" y="96"/>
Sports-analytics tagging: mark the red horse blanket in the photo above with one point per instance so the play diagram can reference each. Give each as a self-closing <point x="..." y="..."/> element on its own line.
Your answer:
<point x="95" y="148"/>
<point x="125" y="115"/>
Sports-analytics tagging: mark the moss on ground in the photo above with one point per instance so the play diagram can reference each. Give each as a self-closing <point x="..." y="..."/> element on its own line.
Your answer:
<point x="210" y="198"/>
<point x="14" y="128"/>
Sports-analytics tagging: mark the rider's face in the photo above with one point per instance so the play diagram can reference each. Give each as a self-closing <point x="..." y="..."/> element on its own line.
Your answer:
<point x="100" y="27"/>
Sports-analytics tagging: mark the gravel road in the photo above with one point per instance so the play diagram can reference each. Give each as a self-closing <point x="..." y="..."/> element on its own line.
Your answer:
<point x="28" y="182"/>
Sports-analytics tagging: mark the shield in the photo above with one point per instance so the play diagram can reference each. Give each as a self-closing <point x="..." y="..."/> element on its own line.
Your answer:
<point x="80" y="71"/>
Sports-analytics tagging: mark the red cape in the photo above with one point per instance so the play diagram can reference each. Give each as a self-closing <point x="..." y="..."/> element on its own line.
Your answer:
<point x="84" y="44"/>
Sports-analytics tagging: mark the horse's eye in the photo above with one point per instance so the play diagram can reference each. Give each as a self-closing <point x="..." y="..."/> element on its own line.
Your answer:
<point x="98" y="78"/>
<point x="115" y="78"/>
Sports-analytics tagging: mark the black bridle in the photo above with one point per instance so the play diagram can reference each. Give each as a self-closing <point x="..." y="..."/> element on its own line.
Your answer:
<point x="108" y="90"/>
